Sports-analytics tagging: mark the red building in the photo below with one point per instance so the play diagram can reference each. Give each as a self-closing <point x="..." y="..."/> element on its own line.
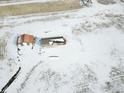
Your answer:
<point x="25" y="38"/>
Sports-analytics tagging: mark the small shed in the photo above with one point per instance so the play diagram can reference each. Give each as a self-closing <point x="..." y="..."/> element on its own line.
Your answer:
<point x="25" y="38"/>
<point x="53" y="41"/>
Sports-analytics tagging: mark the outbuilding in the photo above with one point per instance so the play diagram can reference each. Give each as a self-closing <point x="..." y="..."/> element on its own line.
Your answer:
<point x="25" y="38"/>
<point x="53" y="41"/>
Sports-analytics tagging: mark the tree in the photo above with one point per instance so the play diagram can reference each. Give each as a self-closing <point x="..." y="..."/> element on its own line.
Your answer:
<point x="116" y="83"/>
<point x="3" y="45"/>
<point x="85" y="2"/>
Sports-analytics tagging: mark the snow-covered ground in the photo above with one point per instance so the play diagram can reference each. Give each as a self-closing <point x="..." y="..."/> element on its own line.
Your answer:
<point x="90" y="62"/>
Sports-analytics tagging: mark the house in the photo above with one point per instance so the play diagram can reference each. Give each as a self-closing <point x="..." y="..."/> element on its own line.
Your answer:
<point x="25" y="38"/>
<point x="53" y="41"/>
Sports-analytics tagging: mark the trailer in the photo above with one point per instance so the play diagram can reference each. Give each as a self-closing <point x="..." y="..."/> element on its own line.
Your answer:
<point x="53" y="41"/>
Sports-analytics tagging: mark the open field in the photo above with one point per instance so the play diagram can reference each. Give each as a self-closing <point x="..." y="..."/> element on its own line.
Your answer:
<point x="16" y="1"/>
<point x="30" y="8"/>
<point x="92" y="61"/>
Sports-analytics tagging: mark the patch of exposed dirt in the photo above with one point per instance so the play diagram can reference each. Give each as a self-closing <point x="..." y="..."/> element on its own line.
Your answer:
<point x="30" y="8"/>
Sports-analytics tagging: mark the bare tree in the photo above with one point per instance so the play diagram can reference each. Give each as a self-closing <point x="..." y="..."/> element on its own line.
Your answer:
<point x="85" y="2"/>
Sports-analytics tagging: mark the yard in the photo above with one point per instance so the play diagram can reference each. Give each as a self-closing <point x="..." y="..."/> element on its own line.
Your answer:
<point x="91" y="61"/>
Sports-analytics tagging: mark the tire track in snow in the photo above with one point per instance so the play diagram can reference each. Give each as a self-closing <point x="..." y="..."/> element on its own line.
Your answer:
<point x="23" y="84"/>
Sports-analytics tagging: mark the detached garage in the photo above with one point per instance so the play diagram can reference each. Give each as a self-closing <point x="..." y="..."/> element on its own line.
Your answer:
<point x="53" y="41"/>
<point x="25" y="38"/>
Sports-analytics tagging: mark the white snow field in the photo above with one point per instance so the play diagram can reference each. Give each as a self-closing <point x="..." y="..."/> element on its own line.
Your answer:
<point x="92" y="61"/>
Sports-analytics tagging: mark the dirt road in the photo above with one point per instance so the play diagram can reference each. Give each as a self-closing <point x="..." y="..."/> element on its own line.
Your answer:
<point x="30" y="8"/>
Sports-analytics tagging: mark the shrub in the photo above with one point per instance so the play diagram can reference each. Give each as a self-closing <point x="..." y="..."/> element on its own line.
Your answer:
<point x="106" y="2"/>
<point x="3" y="50"/>
<point x="116" y="83"/>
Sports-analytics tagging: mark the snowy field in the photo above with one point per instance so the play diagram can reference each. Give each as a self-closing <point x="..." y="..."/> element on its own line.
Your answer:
<point x="90" y="62"/>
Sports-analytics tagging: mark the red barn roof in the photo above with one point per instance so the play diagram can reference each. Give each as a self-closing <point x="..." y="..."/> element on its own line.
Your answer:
<point x="25" y="38"/>
<point x="28" y="38"/>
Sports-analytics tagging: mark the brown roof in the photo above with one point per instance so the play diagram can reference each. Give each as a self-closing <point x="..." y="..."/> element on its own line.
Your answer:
<point x="27" y="38"/>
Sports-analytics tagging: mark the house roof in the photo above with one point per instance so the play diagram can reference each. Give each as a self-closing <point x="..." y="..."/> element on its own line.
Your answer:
<point x="28" y="38"/>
